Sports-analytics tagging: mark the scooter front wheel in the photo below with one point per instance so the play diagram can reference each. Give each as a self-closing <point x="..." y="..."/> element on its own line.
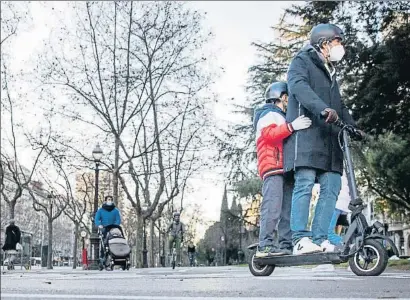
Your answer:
<point x="259" y="270"/>
<point x="370" y="260"/>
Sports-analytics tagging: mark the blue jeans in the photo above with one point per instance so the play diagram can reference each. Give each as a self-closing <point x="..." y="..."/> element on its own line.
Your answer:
<point x="331" y="234"/>
<point x="330" y="183"/>
<point x="275" y="212"/>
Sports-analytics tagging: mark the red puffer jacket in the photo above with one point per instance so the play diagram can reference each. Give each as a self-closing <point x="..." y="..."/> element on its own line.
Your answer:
<point x="271" y="130"/>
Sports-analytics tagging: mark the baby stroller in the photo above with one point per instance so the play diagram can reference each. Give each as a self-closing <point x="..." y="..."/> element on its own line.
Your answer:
<point x="115" y="249"/>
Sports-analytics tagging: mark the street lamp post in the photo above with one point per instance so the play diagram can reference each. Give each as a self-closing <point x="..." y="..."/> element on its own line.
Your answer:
<point x="144" y="250"/>
<point x="94" y="240"/>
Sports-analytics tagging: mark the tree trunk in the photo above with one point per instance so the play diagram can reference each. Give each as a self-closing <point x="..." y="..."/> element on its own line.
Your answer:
<point x="12" y="207"/>
<point x="76" y="229"/>
<point x="152" y="244"/>
<point x="115" y="171"/>
<point x="139" y="242"/>
<point x="159" y="242"/>
<point x="50" y="244"/>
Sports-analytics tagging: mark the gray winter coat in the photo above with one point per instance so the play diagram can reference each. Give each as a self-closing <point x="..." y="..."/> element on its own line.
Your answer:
<point x="311" y="90"/>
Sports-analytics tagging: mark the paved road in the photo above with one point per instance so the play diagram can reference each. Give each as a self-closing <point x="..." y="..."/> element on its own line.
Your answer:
<point x="208" y="283"/>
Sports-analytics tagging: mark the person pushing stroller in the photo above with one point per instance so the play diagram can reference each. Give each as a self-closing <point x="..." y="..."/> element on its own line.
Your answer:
<point x="107" y="216"/>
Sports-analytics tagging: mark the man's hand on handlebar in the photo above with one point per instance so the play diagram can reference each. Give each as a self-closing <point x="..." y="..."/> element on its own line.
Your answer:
<point x="353" y="132"/>
<point x="331" y="115"/>
<point x="100" y="226"/>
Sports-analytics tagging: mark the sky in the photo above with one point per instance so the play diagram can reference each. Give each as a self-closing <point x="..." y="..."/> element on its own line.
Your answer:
<point x="235" y="24"/>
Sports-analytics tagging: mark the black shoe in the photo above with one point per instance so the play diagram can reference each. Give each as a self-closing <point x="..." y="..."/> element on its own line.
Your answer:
<point x="269" y="251"/>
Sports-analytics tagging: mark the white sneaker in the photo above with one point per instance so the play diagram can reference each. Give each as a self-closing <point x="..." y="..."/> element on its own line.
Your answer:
<point x="327" y="246"/>
<point x="305" y="245"/>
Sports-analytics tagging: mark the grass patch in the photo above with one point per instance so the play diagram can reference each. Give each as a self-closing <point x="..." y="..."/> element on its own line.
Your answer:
<point x="401" y="264"/>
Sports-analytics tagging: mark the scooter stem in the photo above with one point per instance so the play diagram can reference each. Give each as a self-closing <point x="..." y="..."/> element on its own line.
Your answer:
<point x="354" y="195"/>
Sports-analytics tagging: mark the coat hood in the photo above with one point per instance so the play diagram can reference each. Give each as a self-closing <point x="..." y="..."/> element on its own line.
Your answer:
<point x="263" y="110"/>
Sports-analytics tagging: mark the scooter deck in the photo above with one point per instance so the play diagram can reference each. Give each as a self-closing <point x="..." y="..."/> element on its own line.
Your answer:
<point x="300" y="260"/>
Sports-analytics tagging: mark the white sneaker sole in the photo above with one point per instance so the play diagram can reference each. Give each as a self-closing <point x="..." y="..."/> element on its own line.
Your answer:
<point x="308" y="252"/>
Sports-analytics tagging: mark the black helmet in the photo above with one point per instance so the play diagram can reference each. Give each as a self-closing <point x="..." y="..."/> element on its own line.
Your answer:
<point x="276" y="90"/>
<point x="325" y="33"/>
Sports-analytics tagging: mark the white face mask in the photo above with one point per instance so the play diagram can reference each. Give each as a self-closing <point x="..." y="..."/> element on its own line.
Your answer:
<point x="336" y="53"/>
<point x="109" y="202"/>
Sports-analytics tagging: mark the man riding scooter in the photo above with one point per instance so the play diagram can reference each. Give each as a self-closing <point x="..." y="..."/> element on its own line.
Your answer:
<point x="314" y="154"/>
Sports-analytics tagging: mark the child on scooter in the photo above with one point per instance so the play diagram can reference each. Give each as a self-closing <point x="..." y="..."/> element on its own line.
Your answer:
<point x="271" y="129"/>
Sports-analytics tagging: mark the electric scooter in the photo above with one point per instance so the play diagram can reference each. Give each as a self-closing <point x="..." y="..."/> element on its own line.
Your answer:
<point x="364" y="246"/>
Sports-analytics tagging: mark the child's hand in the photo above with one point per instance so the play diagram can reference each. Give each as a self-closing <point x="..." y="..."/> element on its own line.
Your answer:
<point x="301" y="122"/>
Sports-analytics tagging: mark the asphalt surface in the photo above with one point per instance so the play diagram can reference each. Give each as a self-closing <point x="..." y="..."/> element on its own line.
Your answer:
<point x="208" y="283"/>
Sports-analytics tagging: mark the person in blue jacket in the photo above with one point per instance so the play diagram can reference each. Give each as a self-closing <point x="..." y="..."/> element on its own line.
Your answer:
<point x="107" y="215"/>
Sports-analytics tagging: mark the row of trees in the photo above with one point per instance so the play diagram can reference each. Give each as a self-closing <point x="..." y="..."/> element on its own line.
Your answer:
<point x="375" y="86"/>
<point x="131" y="75"/>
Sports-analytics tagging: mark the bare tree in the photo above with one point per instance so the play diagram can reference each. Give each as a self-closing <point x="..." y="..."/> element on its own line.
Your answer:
<point x="14" y="177"/>
<point x="77" y="209"/>
<point x="12" y="16"/>
<point x="135" y="72"/>
<point x="76" y="205"/>
<point x="51" y="205"/>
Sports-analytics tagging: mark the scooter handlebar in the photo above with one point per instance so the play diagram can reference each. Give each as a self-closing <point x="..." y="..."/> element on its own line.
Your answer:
<point x="353" y="132"/>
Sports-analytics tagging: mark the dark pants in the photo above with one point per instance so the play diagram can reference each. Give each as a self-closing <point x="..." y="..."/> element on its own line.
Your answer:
<point x="104" y="232"/>
<point x="191" y="256"/>
<point x="275" y="211"/>
<point x="177" y="241"/>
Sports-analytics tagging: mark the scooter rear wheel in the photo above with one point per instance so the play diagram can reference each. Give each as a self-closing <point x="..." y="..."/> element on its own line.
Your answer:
<point x="259" y="270"/>
<point x="376" y="256"/>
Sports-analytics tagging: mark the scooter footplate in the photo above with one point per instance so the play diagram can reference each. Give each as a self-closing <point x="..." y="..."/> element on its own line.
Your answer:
<point x="300" y="260"/>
